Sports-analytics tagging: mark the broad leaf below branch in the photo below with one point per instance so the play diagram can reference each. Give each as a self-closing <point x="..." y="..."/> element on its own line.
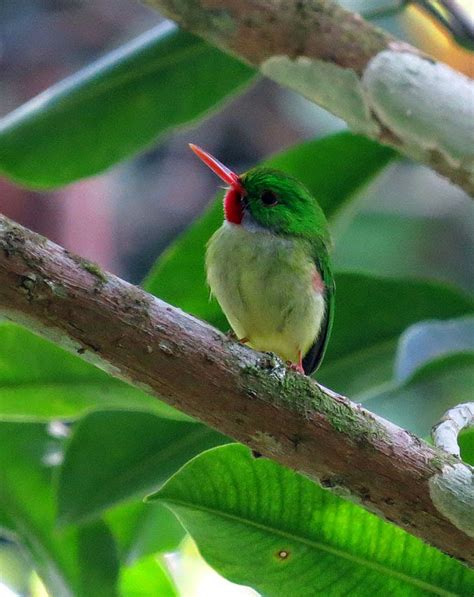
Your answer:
<point x="260" y="524"/>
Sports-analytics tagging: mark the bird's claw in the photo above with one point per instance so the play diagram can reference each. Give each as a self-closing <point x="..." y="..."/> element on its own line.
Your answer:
<point x="232" y="336"/>
<point x="298" y="367"/>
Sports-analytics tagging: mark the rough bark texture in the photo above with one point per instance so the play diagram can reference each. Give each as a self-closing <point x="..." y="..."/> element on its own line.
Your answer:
<point x="382" y="87"/>
<point x="249" y="396"/>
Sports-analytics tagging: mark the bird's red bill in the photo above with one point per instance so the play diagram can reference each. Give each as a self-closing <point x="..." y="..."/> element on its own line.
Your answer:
<point x="217" y="167"/>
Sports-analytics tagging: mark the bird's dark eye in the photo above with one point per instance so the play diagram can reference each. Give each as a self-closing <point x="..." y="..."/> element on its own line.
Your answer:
<point x="268" y="198"/>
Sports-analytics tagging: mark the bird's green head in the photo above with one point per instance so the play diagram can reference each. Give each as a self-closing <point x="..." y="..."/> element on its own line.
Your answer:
<point x="270" y="199"/>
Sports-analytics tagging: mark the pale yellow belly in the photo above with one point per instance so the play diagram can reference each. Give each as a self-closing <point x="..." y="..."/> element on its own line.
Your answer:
<point x="264" y="285"/>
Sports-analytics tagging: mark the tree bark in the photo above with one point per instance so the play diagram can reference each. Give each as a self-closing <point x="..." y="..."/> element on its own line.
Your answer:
<point x="247" y="395"/>
<point x="383" y="88"/>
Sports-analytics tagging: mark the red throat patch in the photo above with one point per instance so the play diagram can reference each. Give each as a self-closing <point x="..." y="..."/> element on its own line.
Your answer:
<point x="233" y="210"/>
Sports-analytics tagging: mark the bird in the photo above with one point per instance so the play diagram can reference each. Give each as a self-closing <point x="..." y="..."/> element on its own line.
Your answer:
<point x="268" y="265"/>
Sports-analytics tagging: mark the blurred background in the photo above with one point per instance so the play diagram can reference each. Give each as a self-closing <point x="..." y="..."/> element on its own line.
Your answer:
<point x="417" y="222"/>
<point x="123" y="219"/>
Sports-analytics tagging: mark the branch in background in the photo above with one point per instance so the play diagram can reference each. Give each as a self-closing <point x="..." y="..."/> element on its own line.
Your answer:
<point x="381" y="87"/>
<point x="458" y="479"/>
<point x="247" y="395"/>
<point x="445" y="433"/>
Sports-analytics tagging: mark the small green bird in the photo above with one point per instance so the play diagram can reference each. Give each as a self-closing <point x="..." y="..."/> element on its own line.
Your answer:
<point x="268" y="264"/>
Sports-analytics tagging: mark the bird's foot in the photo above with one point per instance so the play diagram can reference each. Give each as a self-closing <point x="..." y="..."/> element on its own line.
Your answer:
<point x="296" y="367"/>
<point x="232" y="336"/>
<point x="299" y="365"/>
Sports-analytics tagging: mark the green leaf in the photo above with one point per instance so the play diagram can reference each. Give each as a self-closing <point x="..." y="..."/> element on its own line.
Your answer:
<point x="371" y="313"/>
<point x="116" y="107"/>
<point x="147" y="578"/>
<point x="262" y="525"/>
<point x="429" y="340"/>
<point x="466" y="443"/>
<point x="133" y="453"/>
<point x="40" y="381"/>
<point x="97" y="559"/>
<point x="76" y="562"/>
<point x="371" y="243"/>
<point x="434" y="371"/>
<point x="333" y="168"/>
<point x="420" y="402"/>
<point x="141" y="531"/>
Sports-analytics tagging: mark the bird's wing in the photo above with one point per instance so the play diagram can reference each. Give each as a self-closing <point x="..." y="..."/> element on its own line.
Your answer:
<point x="315" y="354"/>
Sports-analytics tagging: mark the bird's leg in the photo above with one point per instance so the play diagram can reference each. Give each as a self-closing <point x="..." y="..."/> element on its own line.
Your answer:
<point x="232" y="336"/>
<point x="299" y="365"/>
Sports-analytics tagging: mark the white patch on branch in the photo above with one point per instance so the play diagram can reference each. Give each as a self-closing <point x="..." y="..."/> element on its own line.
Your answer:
<point x="426" y="104"/>
<point x="452" y="492"/>
<point x="337" y="89"/>
<point x="445" y="433"/>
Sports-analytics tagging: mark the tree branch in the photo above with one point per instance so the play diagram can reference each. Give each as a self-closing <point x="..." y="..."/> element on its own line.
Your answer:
<point x="247" y="395"/>
<point x="382" y="87"/>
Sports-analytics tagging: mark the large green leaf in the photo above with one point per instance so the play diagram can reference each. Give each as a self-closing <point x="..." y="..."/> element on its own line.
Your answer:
<point x="40" y="381"/>
<point x="466" y="443"/>
<point x="76" y="562"/>
<point x="260" y="524"/>
<point x="434" y="371"/>
<point x="430" y="340"/>
<point x="132" y="452"/>
<point x="371" y="313"/>
<point x="333" y="168"/>
<point x="116" y="106"/>
<point x="399" y="245"/>
<point x="420" y="402"/>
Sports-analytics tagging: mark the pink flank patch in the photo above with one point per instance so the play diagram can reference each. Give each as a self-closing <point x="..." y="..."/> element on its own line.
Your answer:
<point x="318" y="283"/>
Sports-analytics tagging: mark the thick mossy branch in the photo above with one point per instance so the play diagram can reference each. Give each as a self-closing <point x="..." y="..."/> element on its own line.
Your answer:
<point x="246" y="395"/>
<point x="382" y="87"/>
